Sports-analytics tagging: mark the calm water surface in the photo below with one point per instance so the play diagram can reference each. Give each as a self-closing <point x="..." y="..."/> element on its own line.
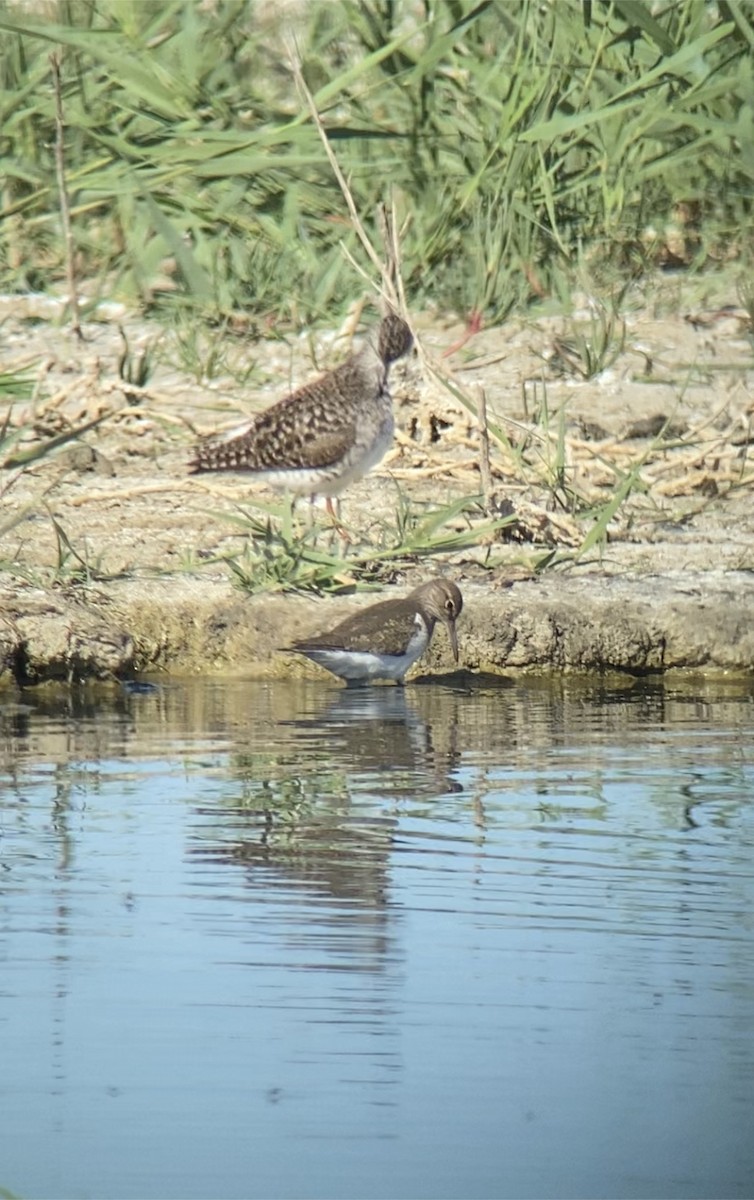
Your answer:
<point x="289" y="941"/>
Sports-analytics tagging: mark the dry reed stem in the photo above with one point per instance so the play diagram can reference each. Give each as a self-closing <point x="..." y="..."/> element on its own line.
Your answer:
<point x="451" y="469"/>
<point x="144" y="489"/>
<point x="484" y="449"/>
<point x="388" y="289"/>
<point x="65" y="212"/>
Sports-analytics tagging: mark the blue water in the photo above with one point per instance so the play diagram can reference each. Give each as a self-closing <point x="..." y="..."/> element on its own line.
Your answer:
<point x="289" y="941"/>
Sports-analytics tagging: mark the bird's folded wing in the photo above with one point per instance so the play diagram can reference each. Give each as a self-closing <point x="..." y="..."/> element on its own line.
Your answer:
<point x="300" y="435"/>
<point x="386" y="634"/>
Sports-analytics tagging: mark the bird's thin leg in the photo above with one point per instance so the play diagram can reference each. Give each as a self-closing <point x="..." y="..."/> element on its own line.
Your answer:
<point x="334" y="514"/>
<point x="312" y="516"/>
<point x="293" y="517"/>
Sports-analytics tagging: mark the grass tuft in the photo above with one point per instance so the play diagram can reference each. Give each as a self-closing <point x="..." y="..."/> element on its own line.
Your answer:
<point x="282" y="552"/>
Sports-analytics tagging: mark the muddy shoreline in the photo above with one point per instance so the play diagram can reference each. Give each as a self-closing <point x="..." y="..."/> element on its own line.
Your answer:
<point x="670" y="586"/>
<point x="198" y="627"/>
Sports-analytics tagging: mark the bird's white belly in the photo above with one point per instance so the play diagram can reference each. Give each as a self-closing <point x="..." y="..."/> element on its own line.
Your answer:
<point x="332" y="479"/>
<point x="299" y="480"/>
<point x="365" y="665"/>
<point x="358" y="461"/>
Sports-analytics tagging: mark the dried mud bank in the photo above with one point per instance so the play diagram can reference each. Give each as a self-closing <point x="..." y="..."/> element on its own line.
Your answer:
<point x="658" y="449"/>
<point x="193" y="627"/>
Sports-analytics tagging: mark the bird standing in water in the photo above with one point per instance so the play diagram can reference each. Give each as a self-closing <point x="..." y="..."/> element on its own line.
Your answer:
<point x="384" y="640"/>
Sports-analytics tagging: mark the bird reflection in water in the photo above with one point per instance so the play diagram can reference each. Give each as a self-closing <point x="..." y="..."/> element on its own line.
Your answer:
<point x="324" y="814"/>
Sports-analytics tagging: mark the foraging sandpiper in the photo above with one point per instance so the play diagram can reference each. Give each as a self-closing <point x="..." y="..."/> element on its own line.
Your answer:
<point x="325" y="435"/>
<point x="384" y="640"/>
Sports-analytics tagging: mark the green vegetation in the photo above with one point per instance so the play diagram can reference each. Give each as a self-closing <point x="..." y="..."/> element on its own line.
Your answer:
<point x="284" y="553"/>
<point x="532" y="150"/>
<point x="520" y="139"/>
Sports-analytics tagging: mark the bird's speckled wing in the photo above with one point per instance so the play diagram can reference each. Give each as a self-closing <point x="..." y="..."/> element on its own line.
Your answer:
<point x="312" y="428"/>
<point x="387" y="627"/>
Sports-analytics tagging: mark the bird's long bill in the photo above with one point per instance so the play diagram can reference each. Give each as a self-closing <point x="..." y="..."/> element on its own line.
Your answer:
<point x="453" y="639"/>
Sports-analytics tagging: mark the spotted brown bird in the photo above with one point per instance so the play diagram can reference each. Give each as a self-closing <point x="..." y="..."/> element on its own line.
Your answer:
<point x="384" y="640"/>
<point x="327" y="434"/>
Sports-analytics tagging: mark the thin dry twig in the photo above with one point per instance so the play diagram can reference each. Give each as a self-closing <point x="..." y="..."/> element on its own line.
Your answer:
<point x="432" y="470"/>
<point x="143" y="489"/>
<point x="389" y="289"/>
<point x="484" y="448"/>
<point x="65" y="211"/>
<point x="392" y="243"/>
